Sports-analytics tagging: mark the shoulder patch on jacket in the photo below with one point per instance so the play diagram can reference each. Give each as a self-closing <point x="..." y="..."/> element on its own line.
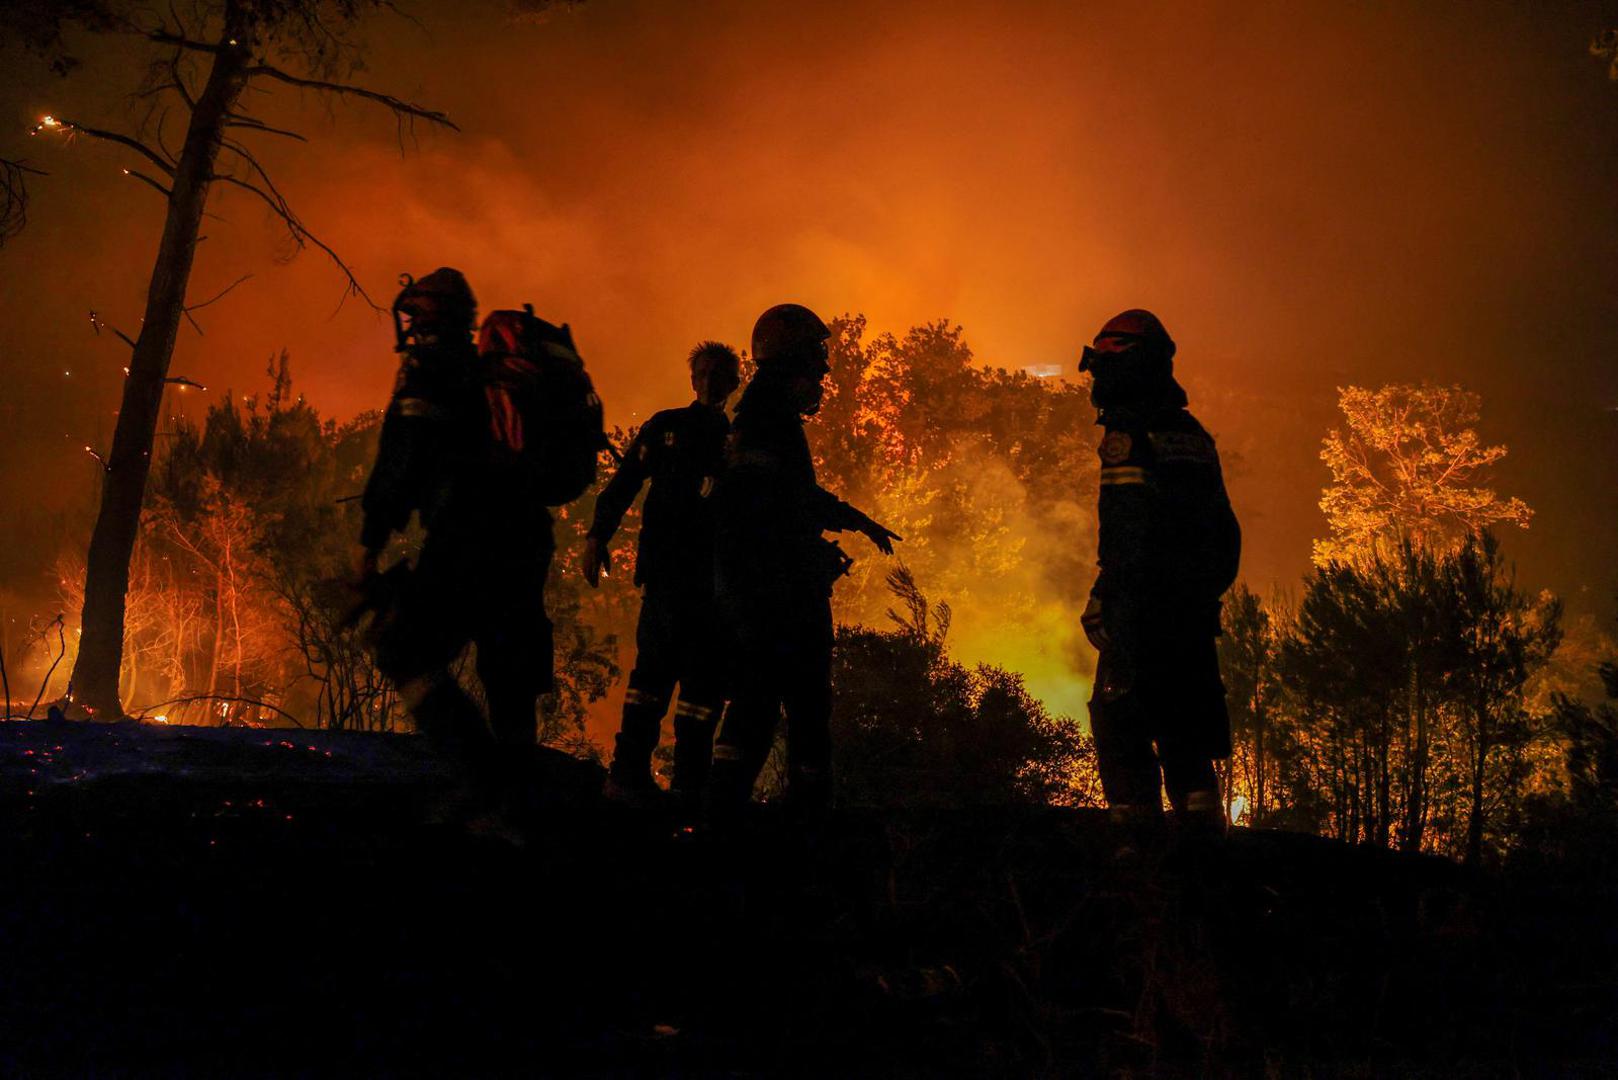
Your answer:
<point x="1188" y="446"/>
<point x="1115" y="447"/>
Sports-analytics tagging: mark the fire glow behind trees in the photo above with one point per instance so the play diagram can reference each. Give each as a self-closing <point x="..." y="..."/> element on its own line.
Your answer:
<point x="1406" y="196"/>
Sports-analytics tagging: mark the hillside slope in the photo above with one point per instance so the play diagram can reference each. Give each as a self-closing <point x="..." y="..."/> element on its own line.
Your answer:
<point x="224" y="900"/>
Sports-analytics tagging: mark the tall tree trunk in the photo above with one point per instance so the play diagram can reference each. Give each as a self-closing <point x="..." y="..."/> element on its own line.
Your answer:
<point x="1384" y="800"/>
<point x="1474" y="824"/>
<point x="1416" y="808"/>
<point x="95" y="673"/>
<point x="1258" y="756"/>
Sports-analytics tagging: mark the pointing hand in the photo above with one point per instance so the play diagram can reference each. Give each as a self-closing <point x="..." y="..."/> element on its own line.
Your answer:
<point x="881" y="536"/>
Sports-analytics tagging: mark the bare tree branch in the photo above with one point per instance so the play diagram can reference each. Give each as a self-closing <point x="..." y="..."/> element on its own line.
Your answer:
<point x="162" y="144"/>
<point x="96" y="324"/>
<point x="399" y="106"/>
<point x="300" y="233"/>
<point x="220" y="295"/>
<point x="73" y="128"/>
<point x="14" y="196"/>
<point x="243" y="121"/>
<point x="61" y="637"/>
<point x="190" y="699"/>
<point x="147" y="179"/>
<point x="179" y="81"/>
<point x="163" y="37"/>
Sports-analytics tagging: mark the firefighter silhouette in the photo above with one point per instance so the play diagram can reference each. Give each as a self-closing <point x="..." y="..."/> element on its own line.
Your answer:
<point x="1169" y="548"/>
<point x="678" y="641"/>
<point x="775" y="571"/>
<point x="480" y="574"/>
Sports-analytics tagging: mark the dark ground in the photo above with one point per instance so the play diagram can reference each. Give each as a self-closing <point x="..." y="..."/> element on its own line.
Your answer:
<point x="191" y="901"/>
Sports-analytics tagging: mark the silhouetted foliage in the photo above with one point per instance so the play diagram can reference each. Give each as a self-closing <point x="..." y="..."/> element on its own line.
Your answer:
<point x="1592" y="745"/>
<point x="912" y="727"/>
<point x="1247" y="656"/>
<point x="1392" y="704"/>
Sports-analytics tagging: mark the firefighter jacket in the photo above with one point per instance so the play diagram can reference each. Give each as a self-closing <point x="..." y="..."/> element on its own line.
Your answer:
<point x="681" y="452"/>
<point x="770" y="511"/>
<point x="1169" y="542"/>
<point x="430" y="436"/>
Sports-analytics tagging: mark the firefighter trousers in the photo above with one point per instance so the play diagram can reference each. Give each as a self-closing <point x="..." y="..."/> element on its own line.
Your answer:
<point x="678" y="643"/>
<point x="782" y="664"/>
<point x="488" y="595"/>
<point x="1160" y="727"/>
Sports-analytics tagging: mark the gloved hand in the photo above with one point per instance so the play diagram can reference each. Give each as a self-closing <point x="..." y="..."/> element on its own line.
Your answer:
<point x="880" y="535"/>
<point x="1091" y="621"/>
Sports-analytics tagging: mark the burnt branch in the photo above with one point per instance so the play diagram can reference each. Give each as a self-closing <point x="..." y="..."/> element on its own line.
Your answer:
<point x="299" y="232"/>
<point x="397" y="105"/>
<point x="138" y="175"/>
<point x="178" y="81"/>
<point x="162" y="143"/>
<point x="14" y="197"/>
<point x="96" y="324"/>
<point x="163" y="37"/>
<point x="220" y="295"/>
<point x="61" y="637"/>
<point x="73" y="128"/>
<point x="249" y="123"/>
<point x="191" y="699"/>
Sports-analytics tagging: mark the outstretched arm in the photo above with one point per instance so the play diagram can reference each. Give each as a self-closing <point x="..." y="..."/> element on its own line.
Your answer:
<point x="835" y="515"/>
<point x="613" y="503"/>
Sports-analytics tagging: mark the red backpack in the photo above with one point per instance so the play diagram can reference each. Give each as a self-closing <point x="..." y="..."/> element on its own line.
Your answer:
<point x="545" y="419"/>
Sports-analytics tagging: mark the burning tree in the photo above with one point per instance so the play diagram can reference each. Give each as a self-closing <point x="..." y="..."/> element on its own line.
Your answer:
<point x="989" y="475"/>
<point x="1409" y="464"/>
<point x="204" y="62"/>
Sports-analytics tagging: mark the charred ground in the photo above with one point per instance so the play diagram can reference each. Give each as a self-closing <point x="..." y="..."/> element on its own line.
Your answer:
<point x="224" y="900"/>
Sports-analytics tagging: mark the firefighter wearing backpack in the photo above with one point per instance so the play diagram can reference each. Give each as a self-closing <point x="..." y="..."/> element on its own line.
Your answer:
<point x="677" y="641"/>
<point x="1168" y="549"/>
<point x="452" y="450"/>
<point x="775" y="571"/>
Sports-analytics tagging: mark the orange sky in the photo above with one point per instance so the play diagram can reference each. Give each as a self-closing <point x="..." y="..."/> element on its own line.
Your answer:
<point x="1309" y="195"/>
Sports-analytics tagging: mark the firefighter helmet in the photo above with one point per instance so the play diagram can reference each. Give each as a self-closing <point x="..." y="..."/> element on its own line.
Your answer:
<point x="1131" y="363"/>
<point x="791" y="336"/>
<point x="440" y="301"/>
<point x="1128" y="330"/>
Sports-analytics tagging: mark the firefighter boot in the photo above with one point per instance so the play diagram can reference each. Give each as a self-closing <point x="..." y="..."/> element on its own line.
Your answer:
<point x="629" y="779"/>
<point x="693" y="754"/>
<point x="1202" y="812"/>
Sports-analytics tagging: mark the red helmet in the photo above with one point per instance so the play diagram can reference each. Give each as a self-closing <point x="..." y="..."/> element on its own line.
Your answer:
<point x="1131" y="364"/>
<point x="790" y="335"/>
<point x="440" y="301"/>
<point x="1138" y="325"/>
